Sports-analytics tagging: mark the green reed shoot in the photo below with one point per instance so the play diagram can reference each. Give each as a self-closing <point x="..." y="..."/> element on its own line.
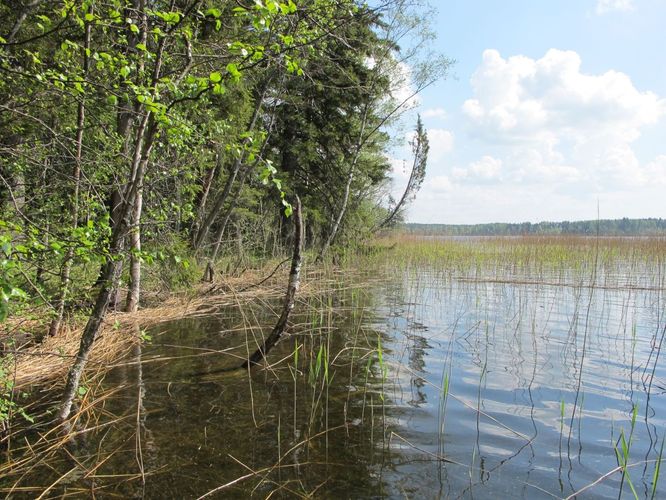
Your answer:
<point x="382" y="367"/>
<point x="622" y="455"/>
<point x="380" y="358"/>
<point x="622" y="452"/>
<point x="442" y="407"/>
<point x="297" y="347"/>
<point x="562" y="413"/>
<point x="657" y="469"/>
<point x="319" y="366"/>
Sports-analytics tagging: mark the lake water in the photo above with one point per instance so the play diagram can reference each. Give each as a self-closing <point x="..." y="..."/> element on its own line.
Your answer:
<point x="422" y="384"/>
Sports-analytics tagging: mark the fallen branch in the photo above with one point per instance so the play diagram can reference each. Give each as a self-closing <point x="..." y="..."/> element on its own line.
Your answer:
<point x="244" y="289"/>
<point x="292" y="288"/>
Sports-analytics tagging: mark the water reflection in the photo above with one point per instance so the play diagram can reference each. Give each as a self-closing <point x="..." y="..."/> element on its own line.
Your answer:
<point x="544" y="380"/>
<point x="429" y="385"/>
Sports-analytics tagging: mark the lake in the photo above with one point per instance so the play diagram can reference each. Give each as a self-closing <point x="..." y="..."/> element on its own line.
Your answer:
<point x="505" y="378"/>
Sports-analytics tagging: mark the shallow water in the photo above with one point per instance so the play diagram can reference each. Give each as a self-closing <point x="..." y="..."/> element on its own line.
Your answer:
<point x="424" y="385"/>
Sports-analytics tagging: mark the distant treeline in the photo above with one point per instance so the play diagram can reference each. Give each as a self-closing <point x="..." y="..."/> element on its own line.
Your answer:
<point x="606" y="227"/>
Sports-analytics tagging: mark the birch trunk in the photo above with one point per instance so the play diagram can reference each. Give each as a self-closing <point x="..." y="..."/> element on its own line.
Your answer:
<point x="345" y="198"/>
<point x="201" y="211"/>
<point x="290" y="296"/>
<point x="76" y="176"/>
<point x="134" y="291"/>
<point x="200" y="237"/>
<point x="101" y="304"/>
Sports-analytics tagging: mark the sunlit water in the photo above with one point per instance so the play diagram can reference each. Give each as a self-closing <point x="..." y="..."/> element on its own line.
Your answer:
<point x="423" y="385"/>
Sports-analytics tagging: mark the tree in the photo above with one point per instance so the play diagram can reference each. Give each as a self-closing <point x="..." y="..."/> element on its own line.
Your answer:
<point x="420" y="149"/>
<point x="130" y="128"/>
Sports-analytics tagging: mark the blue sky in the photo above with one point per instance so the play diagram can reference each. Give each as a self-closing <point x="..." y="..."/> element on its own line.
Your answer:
<point x="551" y="106"/>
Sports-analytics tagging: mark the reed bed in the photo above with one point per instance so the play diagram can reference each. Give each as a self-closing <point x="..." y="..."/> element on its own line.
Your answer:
<point x="600" y="262"/>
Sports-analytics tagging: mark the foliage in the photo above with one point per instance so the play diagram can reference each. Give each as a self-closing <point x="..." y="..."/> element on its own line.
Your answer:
<point x="420" y="148"/>
<point x="8" y="403"/>
<point x="130" y="128"/>
<point x="606" y="227"/>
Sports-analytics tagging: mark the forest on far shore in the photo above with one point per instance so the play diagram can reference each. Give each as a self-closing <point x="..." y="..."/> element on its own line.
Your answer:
<point x="605" y="227"/>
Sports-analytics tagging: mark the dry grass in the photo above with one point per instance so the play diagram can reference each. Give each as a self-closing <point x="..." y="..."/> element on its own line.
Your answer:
<point x="47" y="362"/>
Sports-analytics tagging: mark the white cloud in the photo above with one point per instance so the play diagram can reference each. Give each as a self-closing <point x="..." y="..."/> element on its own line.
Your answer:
<point x="521" y="97"/>
<point x="399" y="170"/>
<point x="483" y="171"/>
<point x="655" y="171"/>
<point x="554" y="123"/>
<point x="486" y="168"/>
<point x="402" y="84"/>
<point x="605" y="6"/>
<point x="434" y="113"/>
<point x="440" y="184"/>
<point x="441" y="142"/>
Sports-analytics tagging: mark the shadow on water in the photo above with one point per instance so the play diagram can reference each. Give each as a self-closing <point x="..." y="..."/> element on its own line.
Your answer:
<point x="181" y="426"/>
<point x="422" y="386"/>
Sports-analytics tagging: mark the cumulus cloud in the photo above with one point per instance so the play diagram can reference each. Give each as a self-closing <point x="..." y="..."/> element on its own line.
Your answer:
<point x="399" y="171"/>
<point x="485" y="170"/>
<point x="522" y="97"/>
<point x="402" y="84"/>
<point x="605" y="6"/>
<point x="434" y="113"/>
<point x="555" y="122"/>
<point x="440" y="184"/>
<point x="441" y="143"/>
<point x="655" y="171"/>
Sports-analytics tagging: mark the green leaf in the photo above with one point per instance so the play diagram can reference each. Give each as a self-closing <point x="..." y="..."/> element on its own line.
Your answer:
<point x="172" y="17"/>
<point x="215" y="76"/>
<point x="134" y="28"/>
<point x="112" y="100"/>
<point x="219" y="89"/>
<point x="233" y="71"/>
<point x="141" y="46"/>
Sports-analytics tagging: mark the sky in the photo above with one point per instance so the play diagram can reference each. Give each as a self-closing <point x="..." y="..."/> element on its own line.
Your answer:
<point x="553" y="110"/>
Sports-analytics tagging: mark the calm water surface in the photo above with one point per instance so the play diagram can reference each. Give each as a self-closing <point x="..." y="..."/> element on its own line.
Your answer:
<point x="424" y="385"/>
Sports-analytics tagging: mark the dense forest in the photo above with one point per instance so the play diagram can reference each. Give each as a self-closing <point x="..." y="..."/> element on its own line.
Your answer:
<point x="605" y="227"/>
<point x="165" y="135"/>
